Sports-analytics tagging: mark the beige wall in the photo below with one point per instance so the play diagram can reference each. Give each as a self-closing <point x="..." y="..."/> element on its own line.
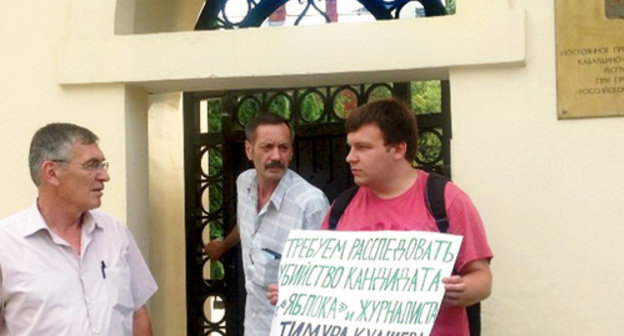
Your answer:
<point x="166" y="184"/>
<point x="480" y="34"/>
<point x="155" y="16"/>
<point x="549" y="191"/>
<point x="31" y="36"/>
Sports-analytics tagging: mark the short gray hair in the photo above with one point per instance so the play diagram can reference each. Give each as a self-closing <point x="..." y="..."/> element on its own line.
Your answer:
<point x="54" y="142"/>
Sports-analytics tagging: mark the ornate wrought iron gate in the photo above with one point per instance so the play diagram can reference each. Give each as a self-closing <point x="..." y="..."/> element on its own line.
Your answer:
<point x="214" y="156"/>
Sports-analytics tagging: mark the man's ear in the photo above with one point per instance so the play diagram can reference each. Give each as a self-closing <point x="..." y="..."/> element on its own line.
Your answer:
<point x="400" y="150"/>
<point x="248" y="146"/>
<point x="49" y="173"/>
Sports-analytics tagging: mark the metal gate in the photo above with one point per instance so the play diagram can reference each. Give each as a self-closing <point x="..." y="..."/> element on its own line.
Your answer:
<point x="214" y="156"/>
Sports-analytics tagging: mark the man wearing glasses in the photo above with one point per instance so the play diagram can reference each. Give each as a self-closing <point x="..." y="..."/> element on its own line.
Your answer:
<point x="65" y="268"/>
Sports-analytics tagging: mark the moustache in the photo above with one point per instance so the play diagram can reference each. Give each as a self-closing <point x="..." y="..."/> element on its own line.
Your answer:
<point x="274" y="164"/>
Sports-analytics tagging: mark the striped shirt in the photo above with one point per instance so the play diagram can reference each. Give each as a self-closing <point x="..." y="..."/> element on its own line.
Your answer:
<point x="294" y="204"/>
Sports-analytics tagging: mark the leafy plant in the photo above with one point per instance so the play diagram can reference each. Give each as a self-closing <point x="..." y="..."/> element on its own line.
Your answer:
<point x="312" y="107"/>
<point x="426" y="97"/>
<point x="450" y="7"/>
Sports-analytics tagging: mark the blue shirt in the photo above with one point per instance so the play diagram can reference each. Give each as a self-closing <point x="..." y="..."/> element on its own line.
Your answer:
<point x="294" y="204"/>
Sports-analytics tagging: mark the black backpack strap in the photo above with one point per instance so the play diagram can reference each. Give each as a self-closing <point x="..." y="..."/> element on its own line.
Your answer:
<point x="434" y="197"/>
<point x="474" y="319"/>
<point x="339" y="206"/>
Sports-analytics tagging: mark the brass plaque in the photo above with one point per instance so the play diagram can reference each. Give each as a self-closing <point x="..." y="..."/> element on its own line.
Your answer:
<point x="590" y="58"/>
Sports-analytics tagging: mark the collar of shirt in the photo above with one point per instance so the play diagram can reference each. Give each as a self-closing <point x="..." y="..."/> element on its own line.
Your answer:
<point x="278" y="194"/>
<point x="36" y="222"/>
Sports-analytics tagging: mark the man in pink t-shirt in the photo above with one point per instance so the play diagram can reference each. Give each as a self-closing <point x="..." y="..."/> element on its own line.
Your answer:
<point x="383" y="138"/>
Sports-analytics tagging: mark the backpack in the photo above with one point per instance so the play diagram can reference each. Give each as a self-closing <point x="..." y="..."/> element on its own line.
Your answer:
<point x="434" y="198"/>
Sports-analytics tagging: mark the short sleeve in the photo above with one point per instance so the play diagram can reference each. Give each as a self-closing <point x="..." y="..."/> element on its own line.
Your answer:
<point x="1" y="301"/>
<point x="142" y="282"/>
<point x="325" y="221"/>
<point x="464" y="220"/>
<point x="315" y="210"/>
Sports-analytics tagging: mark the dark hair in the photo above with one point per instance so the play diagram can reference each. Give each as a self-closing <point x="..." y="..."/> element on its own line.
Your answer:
<point x="395" y="120"/>
<point x="266" y="119"/>
<point x="54" y="142"/>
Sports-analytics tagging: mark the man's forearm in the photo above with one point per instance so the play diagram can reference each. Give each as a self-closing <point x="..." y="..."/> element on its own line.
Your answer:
<point x="232" y="239"/>
<point x="479" y="282"/>
<point x="141" y="323"/>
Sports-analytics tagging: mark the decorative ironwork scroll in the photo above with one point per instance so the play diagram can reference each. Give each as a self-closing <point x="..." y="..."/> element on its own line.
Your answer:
<point x="222" y="14"/>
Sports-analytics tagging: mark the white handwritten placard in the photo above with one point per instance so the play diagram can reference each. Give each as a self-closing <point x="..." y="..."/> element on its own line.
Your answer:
<point x="373" y="283"/>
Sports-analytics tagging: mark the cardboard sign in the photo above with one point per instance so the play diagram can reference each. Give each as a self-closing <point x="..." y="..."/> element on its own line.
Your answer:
<point x="590" y="58"/>
<point x="373" y="283"/>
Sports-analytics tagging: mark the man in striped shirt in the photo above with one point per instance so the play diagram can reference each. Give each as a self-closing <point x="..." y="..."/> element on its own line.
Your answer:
<point x="272" y="200"/>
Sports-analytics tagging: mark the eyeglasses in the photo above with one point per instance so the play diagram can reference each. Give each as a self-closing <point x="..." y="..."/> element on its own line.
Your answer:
<point x="91" y="165"/>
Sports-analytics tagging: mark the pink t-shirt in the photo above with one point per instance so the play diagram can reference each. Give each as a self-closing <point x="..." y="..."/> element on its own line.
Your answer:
<point x="408" y="211"/>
